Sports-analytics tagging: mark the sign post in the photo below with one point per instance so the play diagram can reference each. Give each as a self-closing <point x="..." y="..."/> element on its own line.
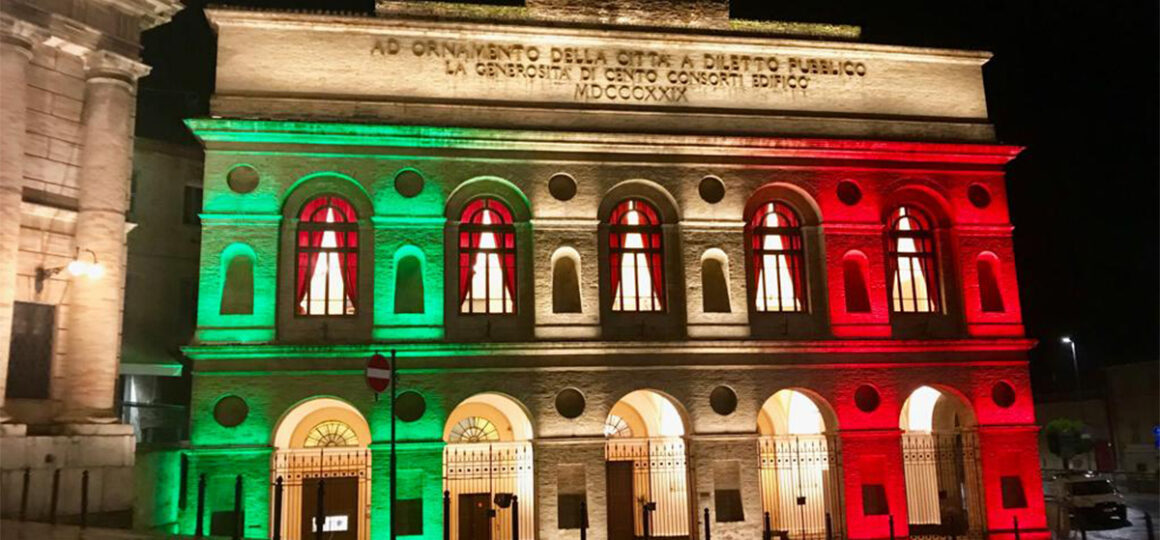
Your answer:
<point x="394" y="459"/>
<point x="381" y="374"/>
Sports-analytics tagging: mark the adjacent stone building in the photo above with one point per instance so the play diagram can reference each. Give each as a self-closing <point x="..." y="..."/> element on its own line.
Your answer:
<point x="645" y="268"/>
<point x="68" y="73"/>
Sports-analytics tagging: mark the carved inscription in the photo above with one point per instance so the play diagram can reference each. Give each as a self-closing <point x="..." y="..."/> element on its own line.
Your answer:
<point x="626" y="75"/>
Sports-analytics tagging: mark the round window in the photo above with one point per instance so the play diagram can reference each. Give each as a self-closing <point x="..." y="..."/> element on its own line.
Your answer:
<point x="866" y="398"/>
<point x="1003" y="394"/>
<point x="409" y="183"/>
<point x="712" y="189"/>
<point x="570" y="403"/>
<point x="242" y="179"/>
<point x="230" y="411"/>
<point x="849" y="192"/>
<point x="410" y="406"/>
<point x="723" y="400"/>
<point x="562" y="187"/>
<point x="979" y="195"/>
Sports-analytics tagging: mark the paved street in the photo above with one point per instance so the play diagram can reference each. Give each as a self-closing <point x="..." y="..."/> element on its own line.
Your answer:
<point x="1137" y="505"/>
<point x="15" y="530"/>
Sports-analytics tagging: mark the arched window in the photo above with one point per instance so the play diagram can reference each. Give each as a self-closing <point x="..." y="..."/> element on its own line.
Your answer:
<point x="474" y="429"/>
<point x="615" y="426"/>
<point x="775" y="237"/>
<point x="330" y="433"/>
<point x="913" y="268"/>
<point x="327" y="257"/>
<point x="636" y="257"/>
<point x="487" y="258"/>
<point x="990" y="296"/>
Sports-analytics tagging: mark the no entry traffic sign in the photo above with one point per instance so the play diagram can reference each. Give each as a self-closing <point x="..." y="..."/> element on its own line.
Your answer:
<point x="378" y="373"/>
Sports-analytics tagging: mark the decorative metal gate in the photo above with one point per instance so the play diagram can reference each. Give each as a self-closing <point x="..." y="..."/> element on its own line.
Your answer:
<point x="801" y="484"/>
<point x="943" y="484"/>
<point x="491" y="468"/>
<point x="660" y="475"/>
<point x="299" y="465"/>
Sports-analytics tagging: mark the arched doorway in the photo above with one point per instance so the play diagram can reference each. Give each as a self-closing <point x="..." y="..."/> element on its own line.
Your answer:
<point x="940" y="456"/>
<point x="801" y="477"/>
<point x="645" y="463"/>
<point x="321" y="461"/>
<point x="487" y="458"/>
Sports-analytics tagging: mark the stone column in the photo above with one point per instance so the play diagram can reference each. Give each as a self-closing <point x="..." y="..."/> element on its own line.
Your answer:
<point x="16" y="40"/>
<point x="95" y="305"/>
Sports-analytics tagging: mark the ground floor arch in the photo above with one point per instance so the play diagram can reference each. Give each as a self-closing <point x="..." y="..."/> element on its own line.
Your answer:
<point x="321" y="471"/>
<point x="646" y="467"/>
<point x="800" y="465"/>
<point x="488" y="458"/>
<point x="940" y="455"/>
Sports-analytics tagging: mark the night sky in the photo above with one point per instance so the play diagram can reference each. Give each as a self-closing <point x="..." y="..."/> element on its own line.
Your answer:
<point x="1074" y="81"/>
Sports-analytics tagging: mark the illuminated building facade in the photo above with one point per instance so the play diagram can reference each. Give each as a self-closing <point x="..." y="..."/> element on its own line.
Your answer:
<point x="630" y="255"/>
<point x="68" y="89"/>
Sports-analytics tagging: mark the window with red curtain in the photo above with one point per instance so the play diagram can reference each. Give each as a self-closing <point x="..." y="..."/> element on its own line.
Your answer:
<point x="487" y="258"/>
<point x="775" y="241"/>
<point x="636" y="257"/>
<point x="913" y="267"/>
<point x="327" y="257"/>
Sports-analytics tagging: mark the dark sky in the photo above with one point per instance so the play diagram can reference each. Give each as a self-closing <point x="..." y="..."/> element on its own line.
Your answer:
<point x="1074" y="81"/>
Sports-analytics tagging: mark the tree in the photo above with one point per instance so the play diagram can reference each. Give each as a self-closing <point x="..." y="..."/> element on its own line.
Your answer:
<point x="1067" y="438"/>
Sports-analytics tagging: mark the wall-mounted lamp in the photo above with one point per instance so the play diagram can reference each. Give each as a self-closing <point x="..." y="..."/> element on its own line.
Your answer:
<point x="77" y="267"/>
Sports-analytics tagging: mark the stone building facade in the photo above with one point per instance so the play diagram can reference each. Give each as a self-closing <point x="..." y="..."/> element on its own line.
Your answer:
<point x="642" y="271"/>
<point x="69" y="76"/>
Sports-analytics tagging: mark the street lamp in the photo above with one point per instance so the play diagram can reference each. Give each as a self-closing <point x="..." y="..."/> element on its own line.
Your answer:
<point x="1066" y="340"/>
<point x="77" y="267"/>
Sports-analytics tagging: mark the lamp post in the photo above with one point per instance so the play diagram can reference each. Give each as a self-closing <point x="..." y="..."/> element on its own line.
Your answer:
<point x="1066" y="340"/>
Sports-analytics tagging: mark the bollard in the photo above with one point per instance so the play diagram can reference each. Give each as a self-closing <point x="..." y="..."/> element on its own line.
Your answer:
<point x="55" y="496"/>
<point x="829" y="527"/>
<point x="24" y="494"/>
<point x="1016" y="521"/>
<point x="239" y="516"/>
<point x="708" y="533"/>
<point x="645" y="521"/>
<point x="199" y="530"/>
<point x="768" y="533"/>
<point x="1148" y="525"/>
<point x="446" y="515"/>
<point x="278" y="488"/>
<point x="891" y="526"/>
<point x="320" y="510"/>
<point x="583" y="520"/>
<point x="85" y="499"/>
<point x="515" y="517"/>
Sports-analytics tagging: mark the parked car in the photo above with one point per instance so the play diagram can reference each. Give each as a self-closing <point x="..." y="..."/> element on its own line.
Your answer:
<point x="1090" y="499"/>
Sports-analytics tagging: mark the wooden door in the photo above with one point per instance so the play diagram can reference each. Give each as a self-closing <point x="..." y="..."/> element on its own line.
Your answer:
<point x="340" y="500"/>
<point x="620" y="502"/>
<point x="475" y="516"/>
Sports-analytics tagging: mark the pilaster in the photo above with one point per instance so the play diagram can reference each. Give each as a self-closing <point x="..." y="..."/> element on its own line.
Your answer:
<point x="1010" y="465"/>
<point x="872" y="463"/>
<point x="95" y="309"/>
